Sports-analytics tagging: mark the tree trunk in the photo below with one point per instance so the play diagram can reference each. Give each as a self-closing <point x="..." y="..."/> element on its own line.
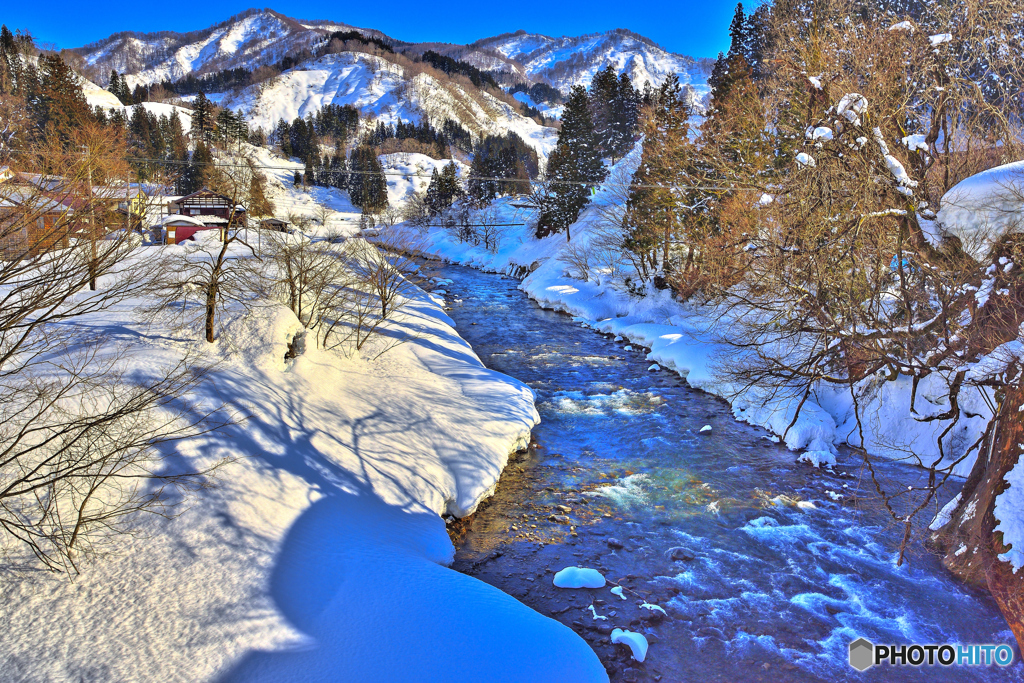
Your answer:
<point x="973" y="521"/>
<point x="211" y="309"/>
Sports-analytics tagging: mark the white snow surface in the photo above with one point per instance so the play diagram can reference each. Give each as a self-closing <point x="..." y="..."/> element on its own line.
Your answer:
<point x="319" y="553"/>
<point x="981" y="209"/>
<point x="688" y="338"/>
<point x="636" y="641"/>
<point x="579" y="577"/>
<point x="1009" y="512"/>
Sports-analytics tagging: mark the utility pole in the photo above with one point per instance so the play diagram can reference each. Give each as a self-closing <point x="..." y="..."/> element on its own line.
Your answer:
<point x="92" y="221"/>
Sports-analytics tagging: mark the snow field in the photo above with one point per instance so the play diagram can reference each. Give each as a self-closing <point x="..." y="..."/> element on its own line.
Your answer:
<point x="319" y="551"/>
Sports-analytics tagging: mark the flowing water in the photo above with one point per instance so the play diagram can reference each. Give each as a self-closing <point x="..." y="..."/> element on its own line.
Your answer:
<point x="762" y="574"/>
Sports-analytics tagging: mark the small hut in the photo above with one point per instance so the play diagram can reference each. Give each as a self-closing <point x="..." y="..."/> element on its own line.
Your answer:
<point x="274" y="225"/>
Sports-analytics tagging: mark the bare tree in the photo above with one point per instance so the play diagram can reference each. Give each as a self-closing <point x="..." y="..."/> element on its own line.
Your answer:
<point x="196" y="282"/>
<point x="81" y="436"/>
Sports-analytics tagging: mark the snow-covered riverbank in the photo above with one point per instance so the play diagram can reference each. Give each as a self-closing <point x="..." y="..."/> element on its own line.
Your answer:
<point x="319" y="552"/>
<point x="689" y="339"/>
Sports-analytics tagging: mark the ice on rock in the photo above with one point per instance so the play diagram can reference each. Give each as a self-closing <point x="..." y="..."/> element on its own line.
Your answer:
<point x="822" y="133"/>
<point x="654" y="368"/>
<point x="706" y="429"/>
<point x="618" y="591"/>
<point x="596" y="616"/>
<point x="579" y="577"/>
<point x="902" y="26"/>
<point x="654" y="608"/>
<point x="940" y="38"/>
<point x="628" y="348"/>
<point x="805" y="159"/>
<point x="618" y="338"/>
<point x="636" y="642"/>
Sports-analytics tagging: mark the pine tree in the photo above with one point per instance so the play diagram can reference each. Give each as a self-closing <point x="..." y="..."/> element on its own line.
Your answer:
<point x="115" y="84"/>
<point x="202" y="118"/>
<point x="653" y="216"/>
<point x="574" y="167"/>
<point x="10" y="62"/>
<point x="198" y="169"/>
<point x="757" y="45"/>
<point x="60" y="106"/>
<point x="480" y="188"/>
<point x="738" y="33"/>
<point x="603" y="93"/>
<point x="626" y="116"/>
<point x="368" y="188"/>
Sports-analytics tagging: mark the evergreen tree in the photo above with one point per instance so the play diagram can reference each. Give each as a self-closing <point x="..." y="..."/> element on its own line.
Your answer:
<point x="626" y="117"/>
<point x="757" y="40"/>
<point x="198" y="168"/>
<point x="60" y="106"/>
<point x="653" y="217"/>
<point x="202" y="118"/>
<point x="604" y="90"/>
<point x="738" y="33"/>
<point x="574" y="167"/>
<point x="432" y="198"/>
<point x="368" y="188"/>
<point x="480" y="188"/>
<point x="12" y="68"/>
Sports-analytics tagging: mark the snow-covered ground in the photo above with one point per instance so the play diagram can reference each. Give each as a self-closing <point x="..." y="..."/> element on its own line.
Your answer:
<point x="320" y="552"/>
<point x="690" y="339"/>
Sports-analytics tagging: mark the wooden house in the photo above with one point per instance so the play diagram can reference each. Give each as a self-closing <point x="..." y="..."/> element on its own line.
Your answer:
<point x="211" y="208"/>
<point x="275" y="225"/>
<point x="177" y="228"/>
<point x="32" y="222"/>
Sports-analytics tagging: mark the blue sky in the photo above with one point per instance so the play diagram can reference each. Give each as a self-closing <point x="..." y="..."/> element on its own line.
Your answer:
<point x="694" y="27"/>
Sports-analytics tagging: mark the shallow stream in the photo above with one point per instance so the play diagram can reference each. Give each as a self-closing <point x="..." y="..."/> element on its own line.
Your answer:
<point x="763" y="575"/>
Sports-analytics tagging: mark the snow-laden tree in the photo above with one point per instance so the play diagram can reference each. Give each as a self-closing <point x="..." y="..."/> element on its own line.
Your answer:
<point x="574" y="168"/>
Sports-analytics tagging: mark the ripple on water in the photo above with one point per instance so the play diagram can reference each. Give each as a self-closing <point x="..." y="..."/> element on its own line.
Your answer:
<point x="623" y="402"/>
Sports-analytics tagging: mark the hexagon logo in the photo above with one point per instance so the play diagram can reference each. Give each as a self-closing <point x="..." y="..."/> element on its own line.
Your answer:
<point x="862" y="654"/>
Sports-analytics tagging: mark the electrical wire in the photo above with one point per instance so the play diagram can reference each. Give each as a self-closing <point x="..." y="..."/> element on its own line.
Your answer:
<point x="293" y="169"/>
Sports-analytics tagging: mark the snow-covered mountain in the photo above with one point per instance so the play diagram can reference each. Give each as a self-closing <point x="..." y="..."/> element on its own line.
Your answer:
<point x="382" y="90"/>
<point x="250" y="39"/>
<point x="567" y="61"/>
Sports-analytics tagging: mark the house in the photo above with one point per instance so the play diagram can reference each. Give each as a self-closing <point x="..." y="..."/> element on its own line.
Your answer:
<point x="177" y="228"/>
<point x="275" y="225"/>
<point x="213" y="209"/>
<point x="31" y="222"/>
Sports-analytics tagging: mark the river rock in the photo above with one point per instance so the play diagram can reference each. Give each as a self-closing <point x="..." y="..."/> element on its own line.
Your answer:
<point x="680" y="553"/>
<point x="615" y="543"/>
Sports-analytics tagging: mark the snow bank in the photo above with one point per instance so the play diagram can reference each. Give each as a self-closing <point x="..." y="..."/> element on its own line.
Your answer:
<point x="689" y="338"/>
<point x="319" y="553"/>
<point x="1009" y="512"/>
<point x="981" y="209"/>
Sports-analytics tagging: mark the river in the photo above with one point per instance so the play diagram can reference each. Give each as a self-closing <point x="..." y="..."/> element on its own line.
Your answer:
<point x="763" y="575"/>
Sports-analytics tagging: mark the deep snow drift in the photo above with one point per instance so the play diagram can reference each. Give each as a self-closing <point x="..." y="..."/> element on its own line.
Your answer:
<point x="319" y="552"/>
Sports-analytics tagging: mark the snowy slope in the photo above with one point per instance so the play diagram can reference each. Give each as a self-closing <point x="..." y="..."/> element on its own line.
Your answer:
<point x="567" y="61"/>
<point x="248" y="40"/>
<point x="381" y="90"/>
<point x="319" y="553"/>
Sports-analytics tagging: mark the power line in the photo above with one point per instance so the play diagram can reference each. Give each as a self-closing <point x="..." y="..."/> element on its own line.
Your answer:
<point x="292" y="169"/>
